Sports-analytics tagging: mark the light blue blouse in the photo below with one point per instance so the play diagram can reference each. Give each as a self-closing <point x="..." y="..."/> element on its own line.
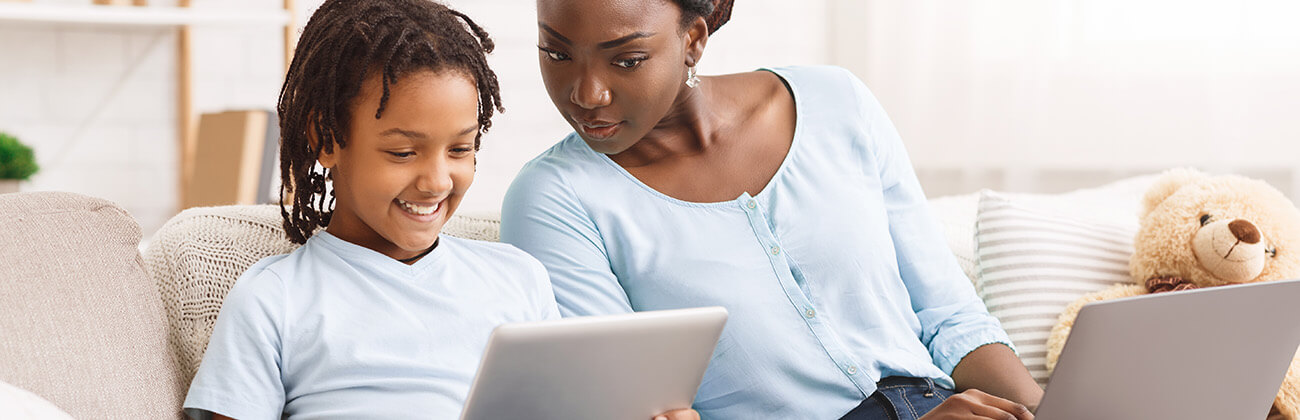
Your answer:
<point x="835" y="274"/>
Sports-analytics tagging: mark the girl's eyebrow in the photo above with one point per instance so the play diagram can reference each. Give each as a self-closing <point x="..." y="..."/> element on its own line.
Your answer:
<point x="416" y="135"/>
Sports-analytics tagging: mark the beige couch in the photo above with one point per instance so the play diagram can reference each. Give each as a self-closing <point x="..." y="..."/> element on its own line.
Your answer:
<point x="101" y="331"/>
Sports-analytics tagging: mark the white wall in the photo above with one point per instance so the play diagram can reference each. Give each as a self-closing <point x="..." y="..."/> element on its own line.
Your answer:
<point x="98" y="103"/>
<point x="1056" y="94"/>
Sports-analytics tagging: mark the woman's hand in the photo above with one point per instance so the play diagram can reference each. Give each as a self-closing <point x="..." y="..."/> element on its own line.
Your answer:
<point x="686" y="414"/>
<point x="975" y="404"/>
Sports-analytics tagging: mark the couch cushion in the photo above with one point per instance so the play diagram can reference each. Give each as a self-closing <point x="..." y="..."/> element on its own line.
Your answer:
<point x="17" y="403"/>
<point x="81" y="322"/>
<point x="196" y="257"/>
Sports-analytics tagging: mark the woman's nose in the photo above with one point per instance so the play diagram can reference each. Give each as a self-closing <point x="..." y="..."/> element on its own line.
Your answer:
<point x="589" y="93"/>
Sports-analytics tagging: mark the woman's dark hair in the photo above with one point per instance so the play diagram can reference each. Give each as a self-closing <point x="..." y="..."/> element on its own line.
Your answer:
<point x="715" y="12"/>
<point x="345" y="42"/>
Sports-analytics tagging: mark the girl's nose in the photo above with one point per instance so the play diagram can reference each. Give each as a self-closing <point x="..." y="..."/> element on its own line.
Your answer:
<point x="435" y="180"/>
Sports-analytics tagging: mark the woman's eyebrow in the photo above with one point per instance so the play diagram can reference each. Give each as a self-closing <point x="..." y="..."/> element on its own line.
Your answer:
<point x="624" y="39"/>
<point x="555" y="34"/>
<point x="603" y="45"/>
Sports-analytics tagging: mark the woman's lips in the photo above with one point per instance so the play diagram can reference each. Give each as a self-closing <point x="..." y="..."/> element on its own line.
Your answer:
<point x="598" y="130"/>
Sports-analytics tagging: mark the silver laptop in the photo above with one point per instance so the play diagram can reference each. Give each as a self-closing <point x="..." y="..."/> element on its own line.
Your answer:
<point x="1215" y="353"/>
<point x="629" y="366"/>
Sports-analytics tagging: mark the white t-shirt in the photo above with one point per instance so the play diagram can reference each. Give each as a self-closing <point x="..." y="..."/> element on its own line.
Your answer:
<point x="336" y="330"/>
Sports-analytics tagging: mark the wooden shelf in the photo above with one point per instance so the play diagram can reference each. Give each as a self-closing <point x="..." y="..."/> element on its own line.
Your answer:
<point x="137" y="15"/>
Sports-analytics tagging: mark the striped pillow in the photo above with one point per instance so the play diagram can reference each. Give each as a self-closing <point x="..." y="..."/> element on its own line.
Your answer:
<point x="1032" y="265"/>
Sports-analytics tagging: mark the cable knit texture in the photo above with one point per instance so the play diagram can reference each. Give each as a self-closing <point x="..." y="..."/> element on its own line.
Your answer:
<point x="197" y="256"/>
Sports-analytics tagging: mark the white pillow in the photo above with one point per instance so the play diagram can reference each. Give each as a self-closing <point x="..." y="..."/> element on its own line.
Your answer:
<point x="1116" y="203"/>
<point x="1032" y="264"/>
<point x="18" y="404"/>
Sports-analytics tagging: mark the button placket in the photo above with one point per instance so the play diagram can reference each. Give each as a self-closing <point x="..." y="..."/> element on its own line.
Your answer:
<point x="785" y="275"/>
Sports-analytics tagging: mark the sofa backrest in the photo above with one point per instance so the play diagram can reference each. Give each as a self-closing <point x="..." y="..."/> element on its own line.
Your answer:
<point x="196" y="257"/>
<point x="81" y="321"/>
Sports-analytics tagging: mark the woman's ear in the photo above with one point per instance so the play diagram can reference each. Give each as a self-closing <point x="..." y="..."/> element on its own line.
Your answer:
<point x="697" y="36"/>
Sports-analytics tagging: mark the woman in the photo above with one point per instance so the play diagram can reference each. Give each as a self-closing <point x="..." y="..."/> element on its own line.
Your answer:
<point x="783" y="195"/>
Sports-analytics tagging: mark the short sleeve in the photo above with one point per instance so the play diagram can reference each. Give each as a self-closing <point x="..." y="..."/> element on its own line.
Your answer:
<point x="546" y="307"/>
<point x="240" y="375"/>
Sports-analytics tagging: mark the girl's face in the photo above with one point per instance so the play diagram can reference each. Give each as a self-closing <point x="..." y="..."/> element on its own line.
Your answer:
<point x="614" y="68"/>
<point x="402" y="176"/>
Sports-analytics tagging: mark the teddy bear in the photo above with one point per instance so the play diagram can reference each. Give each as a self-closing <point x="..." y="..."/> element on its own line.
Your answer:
<point x="1198" y="230"/>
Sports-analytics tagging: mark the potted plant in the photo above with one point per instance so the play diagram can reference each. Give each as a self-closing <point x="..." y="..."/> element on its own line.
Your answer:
<point x="17" y="163"/>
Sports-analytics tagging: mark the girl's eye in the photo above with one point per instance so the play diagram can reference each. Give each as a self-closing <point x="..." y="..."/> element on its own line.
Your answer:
<point x="629" y="63"/>
<point x="554" y="55"/>
<point x="402" y="155"/>
<point x="1271" y="252"/>
<point x="462" y="151"/>
<point x="1205" y="219"/>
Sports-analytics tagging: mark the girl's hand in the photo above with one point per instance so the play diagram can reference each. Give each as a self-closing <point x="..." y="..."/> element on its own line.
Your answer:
<point x="686" y="414"/>
<point x="975" y="404"/>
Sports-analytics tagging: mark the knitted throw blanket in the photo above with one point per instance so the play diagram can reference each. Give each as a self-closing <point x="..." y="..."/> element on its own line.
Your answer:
<point x="1168" y="284"/>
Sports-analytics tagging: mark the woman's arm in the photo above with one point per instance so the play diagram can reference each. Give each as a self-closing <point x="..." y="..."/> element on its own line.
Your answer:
<point x="995" y="369"/>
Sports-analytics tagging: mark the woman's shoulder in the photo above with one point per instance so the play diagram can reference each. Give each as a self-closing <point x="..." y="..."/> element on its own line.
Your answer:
<point x="556" y="173"/>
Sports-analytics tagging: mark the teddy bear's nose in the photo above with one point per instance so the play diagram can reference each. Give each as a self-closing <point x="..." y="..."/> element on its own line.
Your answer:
<point x="1244" y="231"/>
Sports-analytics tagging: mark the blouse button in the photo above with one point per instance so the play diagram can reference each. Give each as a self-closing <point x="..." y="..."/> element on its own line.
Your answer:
<point x="752" y="204"/>
<point x="853" y="370"/>
<point x="810" y="313"/>
<point x="776" y="250"/>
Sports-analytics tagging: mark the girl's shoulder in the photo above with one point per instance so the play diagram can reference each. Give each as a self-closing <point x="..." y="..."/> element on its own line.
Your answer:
<point x="490" y="254"/>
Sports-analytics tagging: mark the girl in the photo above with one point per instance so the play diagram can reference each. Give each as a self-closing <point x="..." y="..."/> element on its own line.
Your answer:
<point x="784" y="195"/>
<point x="376" y="316"/>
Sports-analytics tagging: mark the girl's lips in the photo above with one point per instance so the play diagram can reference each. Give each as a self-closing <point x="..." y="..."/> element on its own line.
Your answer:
<point x="422" y="218"/>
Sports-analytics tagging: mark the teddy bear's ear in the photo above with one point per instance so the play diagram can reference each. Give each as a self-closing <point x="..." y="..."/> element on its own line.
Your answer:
<point x="1167" y="184"/>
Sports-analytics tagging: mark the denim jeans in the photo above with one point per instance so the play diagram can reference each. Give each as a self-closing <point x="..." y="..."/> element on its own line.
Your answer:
<point x="900" y="398"/>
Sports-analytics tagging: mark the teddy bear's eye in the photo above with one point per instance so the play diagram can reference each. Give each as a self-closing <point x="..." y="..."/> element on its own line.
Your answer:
<point x="1205" y="219"/>
<point x="1271" y="251"/>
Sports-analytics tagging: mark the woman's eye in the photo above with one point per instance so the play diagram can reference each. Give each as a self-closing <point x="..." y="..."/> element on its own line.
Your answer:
<point x="1205" y="219"/>
<point x="629" y="63"/>
<point x="554" y="55"/>
<point x="402" y="154"/>
<point x="462" y="151"/>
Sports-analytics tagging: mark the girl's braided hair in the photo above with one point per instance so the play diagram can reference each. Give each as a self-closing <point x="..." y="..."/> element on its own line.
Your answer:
<point x="344" y="42"/>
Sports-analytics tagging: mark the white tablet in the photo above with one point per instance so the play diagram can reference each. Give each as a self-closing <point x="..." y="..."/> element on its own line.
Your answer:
<point x="628" y="366"/>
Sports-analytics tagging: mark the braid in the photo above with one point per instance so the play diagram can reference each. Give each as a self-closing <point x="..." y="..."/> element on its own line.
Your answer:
<point x="344" y="43"/>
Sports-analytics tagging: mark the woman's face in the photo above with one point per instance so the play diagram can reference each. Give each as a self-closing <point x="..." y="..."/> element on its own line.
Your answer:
<point x="402" y="176"/>
<point x="614" y="68"/>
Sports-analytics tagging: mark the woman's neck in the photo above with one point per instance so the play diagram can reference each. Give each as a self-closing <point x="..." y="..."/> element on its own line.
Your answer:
<point x="691" y="126"/>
